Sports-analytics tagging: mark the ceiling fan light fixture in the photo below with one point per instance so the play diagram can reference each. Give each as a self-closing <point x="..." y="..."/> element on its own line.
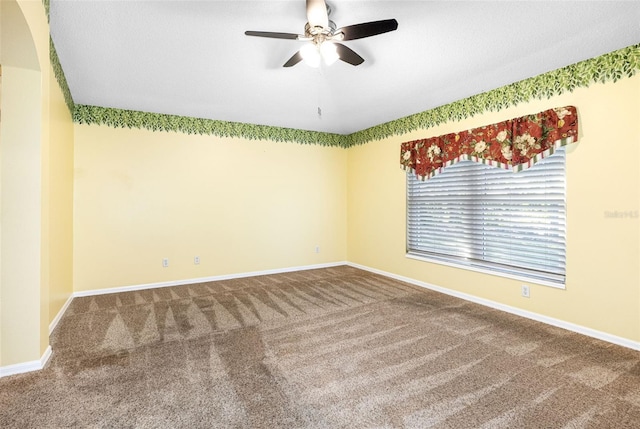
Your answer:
<point x="329" y="53"/>
<point x="311" y="54"/>
<point x="323" y="32"/>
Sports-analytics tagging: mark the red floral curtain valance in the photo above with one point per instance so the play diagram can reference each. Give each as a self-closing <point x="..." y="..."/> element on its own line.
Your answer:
<point x="515" y="144"/>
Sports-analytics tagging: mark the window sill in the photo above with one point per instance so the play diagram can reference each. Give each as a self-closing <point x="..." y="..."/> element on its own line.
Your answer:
<point x="477" y="269"/>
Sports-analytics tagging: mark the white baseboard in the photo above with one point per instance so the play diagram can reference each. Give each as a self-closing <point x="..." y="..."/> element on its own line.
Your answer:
<point x="39" y="364"/>
<point x="20" y="368"/>
<point x="56" y="319"/>
<point x="205" y="279"/>
<point x="509" y="309"/>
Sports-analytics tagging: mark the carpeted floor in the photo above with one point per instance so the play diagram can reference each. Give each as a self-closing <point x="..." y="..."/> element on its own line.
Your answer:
<point x="329" y="348"/>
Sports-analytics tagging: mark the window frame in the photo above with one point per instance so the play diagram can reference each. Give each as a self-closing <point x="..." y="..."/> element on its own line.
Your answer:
<point x="487" y="267"/>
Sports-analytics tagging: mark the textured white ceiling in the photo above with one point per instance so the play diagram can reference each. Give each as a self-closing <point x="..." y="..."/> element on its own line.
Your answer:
<point x="192" y="58"/>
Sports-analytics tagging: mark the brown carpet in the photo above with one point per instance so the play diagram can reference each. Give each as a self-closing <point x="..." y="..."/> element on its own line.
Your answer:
<point x="329" y="348"/>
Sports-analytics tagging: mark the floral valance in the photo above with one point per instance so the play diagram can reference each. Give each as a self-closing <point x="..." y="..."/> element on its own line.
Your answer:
<point x="515" y="144"/>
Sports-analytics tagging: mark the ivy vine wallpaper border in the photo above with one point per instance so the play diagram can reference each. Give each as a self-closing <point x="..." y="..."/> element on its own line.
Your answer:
<point x="60" y="77"/>
<point x="120" y="118"/>
<point x="47" y="7"/>
<point x="609" y="67"/>
<point x="606" y="68"/>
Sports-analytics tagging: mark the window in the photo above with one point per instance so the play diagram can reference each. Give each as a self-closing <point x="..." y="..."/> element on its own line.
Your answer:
<point x="484" y="218"/>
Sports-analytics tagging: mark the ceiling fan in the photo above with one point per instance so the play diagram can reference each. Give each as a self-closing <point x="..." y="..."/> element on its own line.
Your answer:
<point x="325" y="37"/>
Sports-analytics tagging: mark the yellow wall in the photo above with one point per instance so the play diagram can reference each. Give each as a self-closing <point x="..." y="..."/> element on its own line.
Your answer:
<point x="60" y="191"/>
<point x="240" y="205"/>
<point x="20" y="217"/>
<point x="36" y="171"/>
<point x="603" y="258"/>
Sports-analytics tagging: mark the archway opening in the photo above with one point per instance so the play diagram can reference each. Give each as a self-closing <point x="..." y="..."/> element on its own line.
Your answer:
<point x="21" y="108"/>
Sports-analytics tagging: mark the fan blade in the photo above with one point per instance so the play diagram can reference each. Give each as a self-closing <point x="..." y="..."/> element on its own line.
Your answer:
<point x="348" y="55"/>
<point x="290" y="36"/>
<point x="367" y="29"/>
<point x="295" y="59"/>
<point x="317" y="13"/>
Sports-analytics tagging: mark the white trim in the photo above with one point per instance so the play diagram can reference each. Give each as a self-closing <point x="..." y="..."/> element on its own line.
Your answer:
<point x="625" y="342"/>
<point x="20" y="368"/>
<point x="205" y="279"/>
<point x="56" y="319"/>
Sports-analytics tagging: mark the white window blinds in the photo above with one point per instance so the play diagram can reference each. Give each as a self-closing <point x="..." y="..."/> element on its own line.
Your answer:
<point x="480" y="216"/>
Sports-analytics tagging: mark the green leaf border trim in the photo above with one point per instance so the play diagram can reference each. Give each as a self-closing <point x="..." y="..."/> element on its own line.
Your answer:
<point x="47" y="7"/>
<point x="610" y="67"/>
<point x="58" y="72"/>
<point x="60" y="77"/>
<point x="119" y="118"/>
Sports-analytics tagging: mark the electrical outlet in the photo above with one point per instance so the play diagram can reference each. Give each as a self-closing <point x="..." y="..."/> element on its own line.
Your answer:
<point x="196" y="260"/>
<point x="525" y="291"/>
<point x="165" y="262"/>
<point x="317" y="249"/>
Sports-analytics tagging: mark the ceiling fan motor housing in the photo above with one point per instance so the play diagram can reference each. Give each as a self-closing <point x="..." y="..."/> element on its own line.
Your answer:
<point x="319" y="34"/>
